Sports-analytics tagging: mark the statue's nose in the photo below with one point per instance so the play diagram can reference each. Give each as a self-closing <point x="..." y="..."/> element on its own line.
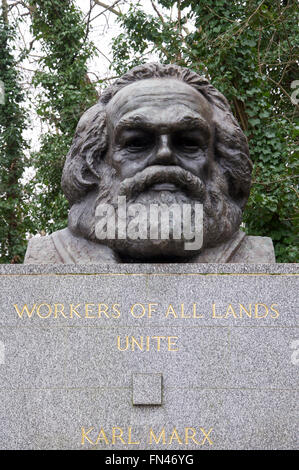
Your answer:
<point x="164" y="154"/>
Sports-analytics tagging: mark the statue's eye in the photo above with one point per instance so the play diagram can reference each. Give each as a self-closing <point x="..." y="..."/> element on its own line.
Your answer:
<point x="187" y="142"/>
<point x="138" y="142"/>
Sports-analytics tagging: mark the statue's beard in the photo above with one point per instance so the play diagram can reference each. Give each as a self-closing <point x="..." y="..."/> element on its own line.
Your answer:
<point x="221" y="215"/>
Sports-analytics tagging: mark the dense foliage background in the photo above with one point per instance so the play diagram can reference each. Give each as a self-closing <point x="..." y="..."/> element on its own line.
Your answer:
<point x="246" y="48"/>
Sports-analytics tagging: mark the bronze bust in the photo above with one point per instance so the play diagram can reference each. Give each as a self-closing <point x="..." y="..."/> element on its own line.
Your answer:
<point x="160" y="135"/>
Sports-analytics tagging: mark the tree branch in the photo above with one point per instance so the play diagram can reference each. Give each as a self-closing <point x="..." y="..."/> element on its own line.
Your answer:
<point x="102" y="53"/>
<point x="88" y="20"/>
<point x="157" y="11"/>
<point x="5" y="11"/>
<point x="108" y="7"/>
<point x="31" y="9"/>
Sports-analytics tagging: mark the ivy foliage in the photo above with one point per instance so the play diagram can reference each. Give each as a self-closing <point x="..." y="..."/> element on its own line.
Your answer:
<point x="12" y="147"/>
<point x="65" y="93"/>
<point x="247" y="49"/>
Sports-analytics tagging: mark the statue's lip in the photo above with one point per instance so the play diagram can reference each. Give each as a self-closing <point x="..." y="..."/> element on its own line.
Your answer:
<point x="164" y="187"/>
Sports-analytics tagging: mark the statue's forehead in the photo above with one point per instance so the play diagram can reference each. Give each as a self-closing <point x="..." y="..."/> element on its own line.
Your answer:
<point x="157" y="94"/>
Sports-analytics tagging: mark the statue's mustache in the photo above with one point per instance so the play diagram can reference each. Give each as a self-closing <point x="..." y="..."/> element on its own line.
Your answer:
<point x="157" y="174"/>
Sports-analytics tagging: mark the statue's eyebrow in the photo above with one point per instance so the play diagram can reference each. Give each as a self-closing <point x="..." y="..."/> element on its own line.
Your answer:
<point x="131" y="122"/>
<point x="186" y="122"/>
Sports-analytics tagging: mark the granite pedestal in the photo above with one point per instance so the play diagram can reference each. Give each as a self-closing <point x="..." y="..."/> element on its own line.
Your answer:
<point x="149" y="356"/>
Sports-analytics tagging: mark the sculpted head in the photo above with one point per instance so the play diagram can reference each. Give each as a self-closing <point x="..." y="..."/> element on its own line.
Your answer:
<point x="161" y="134"/>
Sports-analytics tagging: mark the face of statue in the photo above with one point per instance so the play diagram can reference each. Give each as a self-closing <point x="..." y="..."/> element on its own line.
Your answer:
<point x="159" y="122"/>
<point x="160" y="132"/>
<point x="160" y="152"/>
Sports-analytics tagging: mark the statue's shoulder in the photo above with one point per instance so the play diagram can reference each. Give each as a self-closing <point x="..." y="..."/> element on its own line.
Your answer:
<point x="42" y="250"/>
<point x="254" y="249"/>
<point x="63" y="247"/>
<point x="241" y="248"/>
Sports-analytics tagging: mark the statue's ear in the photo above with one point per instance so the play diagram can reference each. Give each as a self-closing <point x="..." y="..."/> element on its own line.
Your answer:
<point x="95" y="143"/>
<point x="232" y="157"/>
<point x="81" y="171"/>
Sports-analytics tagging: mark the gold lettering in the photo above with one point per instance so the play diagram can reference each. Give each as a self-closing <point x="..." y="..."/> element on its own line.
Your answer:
<point x="248" y="312"/>
<point x="88" y="311"/>
<point x="158" y="338"/>
<point x="151" y="309"/>
<point x="230" y="311"/>
<point x="187" y="437"/>
<point x="140" y="346"/>
<point x="25" y="308"/>
<point x="214" y="312"/>
<point x="172" y="343"/>
<point x="101" y="437"/>
<point x="46" y="315"/>
<point x="74" y="311"/>
<point x="256" y="310"/>
<point x="194" y="312"/>
<point x="274" y="310"/>
<point x="171" y="311"/>
<point x="59" y="308"/>
<point x="103" y="308"/>
<point x="117" y="436"/>
<point x="174" y="435"/>
<point x="183" y="312"/>
<point x="85" y="436"/>
<point x="157" y="439"/>
<point x="115" y="309"/>
<point x="130" y="437"/>
<point x="118" y="344"/>
<point x="142" y="311"/>
<point x="206" y="438"/>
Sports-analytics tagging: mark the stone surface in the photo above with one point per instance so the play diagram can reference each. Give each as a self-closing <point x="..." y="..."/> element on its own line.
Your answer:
<point x="147" y="389"/>
<point x="233" y="379"/>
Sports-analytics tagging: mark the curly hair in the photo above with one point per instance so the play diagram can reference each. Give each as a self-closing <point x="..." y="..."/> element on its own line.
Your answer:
<point x="82" y="169"/>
